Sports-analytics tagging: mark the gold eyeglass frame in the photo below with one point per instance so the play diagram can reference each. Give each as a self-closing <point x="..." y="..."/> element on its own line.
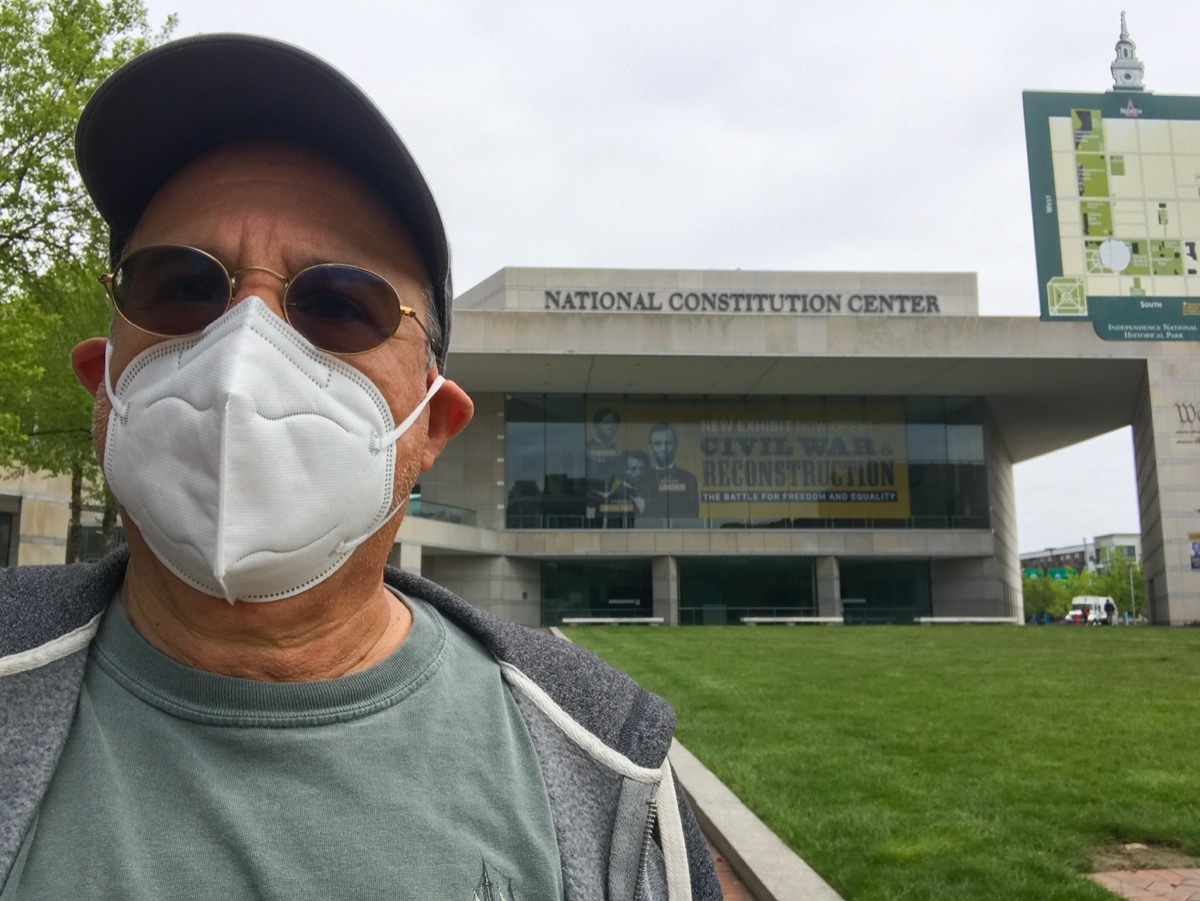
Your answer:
<point x="108" y="278"/>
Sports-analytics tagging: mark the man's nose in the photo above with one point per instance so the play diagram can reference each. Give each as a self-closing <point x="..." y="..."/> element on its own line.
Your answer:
<point x="259" y="281"/>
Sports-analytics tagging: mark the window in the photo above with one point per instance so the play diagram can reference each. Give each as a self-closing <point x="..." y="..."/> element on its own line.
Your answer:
<point x="659" y="462"/>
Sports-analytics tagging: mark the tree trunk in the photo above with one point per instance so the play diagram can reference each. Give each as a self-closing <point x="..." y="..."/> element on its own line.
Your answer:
<point x="74" y="527"/>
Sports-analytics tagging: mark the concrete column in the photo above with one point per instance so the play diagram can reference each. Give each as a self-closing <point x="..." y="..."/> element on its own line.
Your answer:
<point x="829" y="587"/>
<point x="971" y="586"/>
<point x="1004" y="598"/>
<point x="1166" y="441"/>
<point x="406" y="556"/>
<point x="664" y="573"/>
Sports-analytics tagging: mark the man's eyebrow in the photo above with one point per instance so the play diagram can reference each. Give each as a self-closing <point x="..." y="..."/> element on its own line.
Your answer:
<point x="214" y="253"/>
<point x="294" y="266"/>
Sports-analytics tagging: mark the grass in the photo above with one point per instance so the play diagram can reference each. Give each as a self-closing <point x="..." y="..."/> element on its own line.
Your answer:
<point x="964" y="762"/>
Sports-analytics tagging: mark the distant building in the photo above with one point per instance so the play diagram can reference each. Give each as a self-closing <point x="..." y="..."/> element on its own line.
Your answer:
<point x="1094" y="555"/>
<point x="1108" y="546"/>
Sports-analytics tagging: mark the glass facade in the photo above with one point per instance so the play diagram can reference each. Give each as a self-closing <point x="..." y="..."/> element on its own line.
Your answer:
<point x="885" y="591"/>
<point x="718" y="591"/>
<point x="645" y="462"/>
<point x="6" y="535"/>
<point x="10" y="527"/>
<point x="596" y="588"/>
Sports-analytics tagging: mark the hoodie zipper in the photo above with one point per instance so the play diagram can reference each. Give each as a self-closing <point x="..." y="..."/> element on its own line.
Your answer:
<point x="644" y="856"/>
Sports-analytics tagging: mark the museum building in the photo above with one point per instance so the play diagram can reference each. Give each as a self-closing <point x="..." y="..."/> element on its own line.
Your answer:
<point x="715" y="446"/>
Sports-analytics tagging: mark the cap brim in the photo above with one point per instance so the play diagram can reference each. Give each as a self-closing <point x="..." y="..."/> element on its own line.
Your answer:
<point x="178" y="100"/>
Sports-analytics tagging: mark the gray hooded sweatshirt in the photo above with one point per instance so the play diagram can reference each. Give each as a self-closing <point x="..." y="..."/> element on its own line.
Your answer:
<point x="635" y="840"/>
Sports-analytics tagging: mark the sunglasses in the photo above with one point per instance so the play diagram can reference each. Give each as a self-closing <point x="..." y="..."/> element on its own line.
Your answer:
<point x="172" y="291"/>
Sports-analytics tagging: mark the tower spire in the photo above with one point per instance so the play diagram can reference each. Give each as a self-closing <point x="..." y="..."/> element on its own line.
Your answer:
<point x="1127" y="70"/>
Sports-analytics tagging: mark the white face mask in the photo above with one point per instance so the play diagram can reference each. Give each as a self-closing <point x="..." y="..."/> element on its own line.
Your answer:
<point x="252" y="463"/>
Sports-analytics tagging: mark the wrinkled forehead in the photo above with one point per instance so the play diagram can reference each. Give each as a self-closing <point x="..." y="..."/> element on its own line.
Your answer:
<point x="221" y="181"/>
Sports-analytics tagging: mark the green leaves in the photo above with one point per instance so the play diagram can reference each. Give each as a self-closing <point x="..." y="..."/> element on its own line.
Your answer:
<point x="53" y="244"/>
<point x="41" y="323"/>
<point x="1112" y="580"/>
<point x="53" y="55"/>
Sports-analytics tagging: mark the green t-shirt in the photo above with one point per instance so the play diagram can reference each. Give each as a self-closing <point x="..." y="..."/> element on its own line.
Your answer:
<point x="414" y="779"/>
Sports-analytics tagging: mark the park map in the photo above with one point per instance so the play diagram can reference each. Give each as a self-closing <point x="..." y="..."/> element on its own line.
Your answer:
<point x="1123" y="208"/>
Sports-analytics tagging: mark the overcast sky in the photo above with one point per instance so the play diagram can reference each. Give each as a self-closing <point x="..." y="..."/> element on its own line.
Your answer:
<point x="861" y="136"/>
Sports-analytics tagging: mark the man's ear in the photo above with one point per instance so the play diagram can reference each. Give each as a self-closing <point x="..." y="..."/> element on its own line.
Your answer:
<point x="449" y="412"/>
<point x="87" y="359"/>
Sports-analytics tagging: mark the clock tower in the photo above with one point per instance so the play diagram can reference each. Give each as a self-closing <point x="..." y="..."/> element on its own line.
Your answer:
<point x="1127" y="69"/>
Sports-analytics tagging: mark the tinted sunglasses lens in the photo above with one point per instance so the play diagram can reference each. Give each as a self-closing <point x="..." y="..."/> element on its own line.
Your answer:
<point x="343" y="309"/>
<point x="171" y="290"/>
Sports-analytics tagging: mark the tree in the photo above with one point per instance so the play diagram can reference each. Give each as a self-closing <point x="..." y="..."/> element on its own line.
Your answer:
<point x="1039" y="595"/>
<point x="1054" y="596"/>
<point x="1046" y="595"/>
<point x="53" y="55"/>
<point x="1120" y="573"/>
<point x="48" y="415"/>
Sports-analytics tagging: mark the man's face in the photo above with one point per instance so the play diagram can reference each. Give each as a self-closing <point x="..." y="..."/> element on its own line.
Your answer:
<point x="662" y="445"/>
<point x="635" y="470"/>
<point x="286" y="207"/>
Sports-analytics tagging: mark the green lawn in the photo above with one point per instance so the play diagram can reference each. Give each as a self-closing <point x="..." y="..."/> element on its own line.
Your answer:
<point x="954" y="762"/>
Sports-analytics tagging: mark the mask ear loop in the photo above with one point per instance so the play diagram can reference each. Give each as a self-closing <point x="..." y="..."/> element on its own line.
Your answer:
<point x="119" y="406"/>
<point x="377" y="444"/>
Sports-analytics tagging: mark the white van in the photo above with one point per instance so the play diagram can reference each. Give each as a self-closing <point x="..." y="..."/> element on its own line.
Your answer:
<point x="1087" y="609"/>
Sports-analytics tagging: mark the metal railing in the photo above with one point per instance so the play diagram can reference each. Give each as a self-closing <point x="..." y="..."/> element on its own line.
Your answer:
<point x="521" y="520"/>
<point x="426" y="509"/>
<point x="724" y="615"/>
<point x="559" y="616"/>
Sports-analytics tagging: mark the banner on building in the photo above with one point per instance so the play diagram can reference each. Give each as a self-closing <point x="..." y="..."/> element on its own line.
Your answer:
<point x="836" y="460"/>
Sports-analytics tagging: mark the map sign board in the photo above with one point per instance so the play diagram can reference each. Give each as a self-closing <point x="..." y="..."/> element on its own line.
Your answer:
<point x="1114" y="181"/>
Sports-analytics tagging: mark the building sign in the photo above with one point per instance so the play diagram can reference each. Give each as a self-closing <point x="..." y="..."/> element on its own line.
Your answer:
<point x="1115" y="187"/>
<point x="806" y="461"/>
<point x="724" y="292"/>
<point x="606" y="300"/>
<point x="1186" y="421"/>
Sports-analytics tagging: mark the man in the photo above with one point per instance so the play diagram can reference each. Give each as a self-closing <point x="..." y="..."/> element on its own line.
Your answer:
<point x="247" y="702"/>
<point x="677" y="495"/>
<point x="626" y="500"/>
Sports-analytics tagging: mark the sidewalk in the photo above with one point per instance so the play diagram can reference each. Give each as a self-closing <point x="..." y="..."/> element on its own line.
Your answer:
<point x="732" y="888"/>
<point x="1148" y="885"/>
<point x="764" y="868"/>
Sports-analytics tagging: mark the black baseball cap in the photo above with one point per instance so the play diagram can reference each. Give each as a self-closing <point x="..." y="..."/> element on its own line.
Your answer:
<point x="180" y="99"/>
